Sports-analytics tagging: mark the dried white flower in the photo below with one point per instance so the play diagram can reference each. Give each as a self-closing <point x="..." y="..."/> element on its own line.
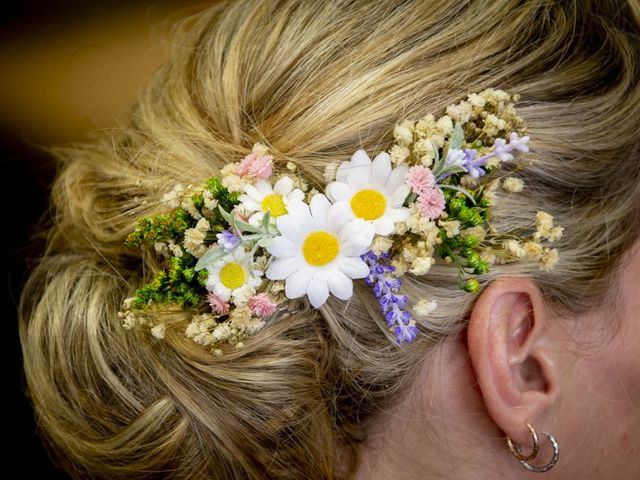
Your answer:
<point x="158" y="331"/>
<point x="421" y="265"/>
<point x="399" y="154"/>
<point x="512" y="185"/>
<point x="424" y="307"/>
<point x="381" y="244"/>
<point x="403" y="133"/>
<point x="233" y="183"/>
<point x="330" y="171"/>
<point x="514" y="247"/>
<point x="452" y="227"/>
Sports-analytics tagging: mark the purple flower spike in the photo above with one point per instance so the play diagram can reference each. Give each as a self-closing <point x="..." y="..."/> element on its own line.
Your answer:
<point x="392" y="304"/>
<point x="473" y="165"/>
<point x="227" y="240"/>
<point x="502" y="150"/>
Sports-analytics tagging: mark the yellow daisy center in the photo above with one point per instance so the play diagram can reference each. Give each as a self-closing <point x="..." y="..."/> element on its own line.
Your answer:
<point x="273" y="203"/>
<point x="232" y="275"/>
<point x="319" y="248"/>
<point x="368" y="204"/>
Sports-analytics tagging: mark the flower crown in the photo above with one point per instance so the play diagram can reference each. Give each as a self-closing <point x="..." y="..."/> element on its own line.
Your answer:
<point x="240" y="247"/>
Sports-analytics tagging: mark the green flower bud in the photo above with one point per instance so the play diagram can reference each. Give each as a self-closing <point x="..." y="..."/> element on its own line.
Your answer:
<point x="481" y="268"/>
<point x="456" y="204"/>
<point x="471" y="241"/>
<point x="473" y="260"/>
<point x="472" y="286"/>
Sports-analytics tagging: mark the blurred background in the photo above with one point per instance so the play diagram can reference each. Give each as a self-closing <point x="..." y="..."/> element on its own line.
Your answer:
<point x="66" y="68"/>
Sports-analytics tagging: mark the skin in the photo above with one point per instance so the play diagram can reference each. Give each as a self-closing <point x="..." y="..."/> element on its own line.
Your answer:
<point x="519" y="361"/>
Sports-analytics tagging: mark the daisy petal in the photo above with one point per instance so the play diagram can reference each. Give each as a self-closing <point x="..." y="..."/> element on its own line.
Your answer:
<point x="318" y="292"/>
<point x="359" y="181"/>
<point x="381" y="169"/>
<point x="282" y="268"/>
<point x="356" y="246"/>
<point x="319" y="207"/>
<point x="356" y="228"/>
<point x="282" y="247"/>
<point x="296" y="195"/>
<point x="253" y="193"/>
<point x="339" y="191"/>
<point x="360" y="158"/>
<point x="398" y="214"/>
<point x="399" y="195"/>
<point x="360" y="163"/>
<point x="353" y="267"/>
<point x="297" y="284"/>
<point x="338" y="216"/>
<point x="221" y="291"/>
<point x="396" y="178"/>
<point x="383" y="225"/>
<point x="283" y="186"/>
<point x="250" y="204"/>
<point x="340" y="285"/>
<point x="296" y="223"/>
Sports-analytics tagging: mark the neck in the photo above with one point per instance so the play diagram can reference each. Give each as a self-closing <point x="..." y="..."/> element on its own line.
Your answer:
<point x="441" y="428"/>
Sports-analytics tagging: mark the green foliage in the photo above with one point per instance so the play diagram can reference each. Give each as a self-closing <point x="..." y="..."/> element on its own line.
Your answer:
<point x="160" y="228"/>
<point x="179" y="284"/>
<point x="472" y="286"/>
<point x="471" y="209"/>
<point x="226" y="199"/>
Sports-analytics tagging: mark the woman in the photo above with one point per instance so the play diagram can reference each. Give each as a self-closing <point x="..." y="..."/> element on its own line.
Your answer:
<point x="323" y="388"/>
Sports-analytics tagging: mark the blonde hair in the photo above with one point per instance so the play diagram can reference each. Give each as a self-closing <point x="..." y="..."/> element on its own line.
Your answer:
<point x="315" y="81"/>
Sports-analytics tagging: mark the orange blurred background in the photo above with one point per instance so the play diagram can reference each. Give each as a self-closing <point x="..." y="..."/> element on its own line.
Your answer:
<point x="66" y="68"/>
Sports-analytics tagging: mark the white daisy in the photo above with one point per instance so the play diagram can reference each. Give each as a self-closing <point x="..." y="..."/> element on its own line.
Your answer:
<point x="374" y="191"/>
<point x="319" y="250"/>
<point x="263" y="197"/>
<point x="230" y="276"/>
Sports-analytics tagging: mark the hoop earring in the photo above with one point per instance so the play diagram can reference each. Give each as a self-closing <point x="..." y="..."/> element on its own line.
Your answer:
<point x="517" y="449"/>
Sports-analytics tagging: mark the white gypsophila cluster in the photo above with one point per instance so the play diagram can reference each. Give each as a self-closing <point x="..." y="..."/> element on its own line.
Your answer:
<point x="194" y="238"/>
<point x="512" y="185"/>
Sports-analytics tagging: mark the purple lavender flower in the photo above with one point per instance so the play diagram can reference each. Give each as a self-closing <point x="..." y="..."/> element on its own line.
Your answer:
<point x="227" y="240"/>
<point x="502" y="150"/>
<point x="392" y="304"/>
<point x="473" y="165"/>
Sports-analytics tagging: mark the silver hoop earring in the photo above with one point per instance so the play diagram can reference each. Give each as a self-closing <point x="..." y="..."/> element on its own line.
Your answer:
<point x="517" y="449"/>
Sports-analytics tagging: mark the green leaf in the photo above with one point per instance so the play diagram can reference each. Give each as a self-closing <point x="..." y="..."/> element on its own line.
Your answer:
<point x="265" y="242"/>
<point x="238" y="225"/>
<point x="461" y="190"/>
<point x="457" y="138"/>
<point x="210" y="257"/>
<point x="226" y="215"/>
<point x="452" y="169"/>
<point x="438" y="162"/>
<point x="265" y="220"/>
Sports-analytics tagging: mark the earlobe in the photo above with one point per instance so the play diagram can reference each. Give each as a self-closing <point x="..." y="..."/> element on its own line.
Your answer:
<point x="508" y="338"/>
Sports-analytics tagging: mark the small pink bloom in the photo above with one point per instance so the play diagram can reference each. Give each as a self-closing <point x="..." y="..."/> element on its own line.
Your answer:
<point x="261" y="305"/>
<point x="218" y="305"/>
<point x="420" y="179"/>
<point x="256" y="167"/>
<point x="431" y="203"/>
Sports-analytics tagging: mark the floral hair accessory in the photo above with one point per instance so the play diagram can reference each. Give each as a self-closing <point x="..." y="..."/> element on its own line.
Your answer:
<point x="240" y="247"/>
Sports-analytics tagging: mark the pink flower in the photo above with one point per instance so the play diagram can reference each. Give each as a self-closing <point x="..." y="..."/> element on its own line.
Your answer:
<point x="420" y="179"/>
<point x="218" y="305"/>
<point x="261" y="305"/>
<point x="431" y="203"/>
<point x="255" y="166"/>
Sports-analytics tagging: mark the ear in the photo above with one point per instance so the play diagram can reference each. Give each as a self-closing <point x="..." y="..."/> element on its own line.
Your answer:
<point x="509" y="339"/>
